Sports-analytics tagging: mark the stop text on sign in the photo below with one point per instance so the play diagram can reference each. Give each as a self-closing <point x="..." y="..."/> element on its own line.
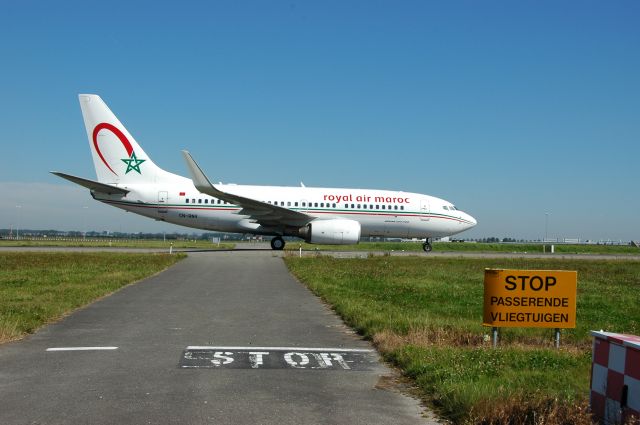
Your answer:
<point x="530" y="298"/>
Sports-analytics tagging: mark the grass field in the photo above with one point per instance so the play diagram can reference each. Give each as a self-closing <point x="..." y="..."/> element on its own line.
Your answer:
<point x="38" y="288"/>
<point x="425" y="315"/>
<point x="470" y="247"/>
<point x="117" y="243"/>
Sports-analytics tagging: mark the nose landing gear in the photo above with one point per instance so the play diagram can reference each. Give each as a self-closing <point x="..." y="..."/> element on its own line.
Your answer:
<point x="426" y="246"/>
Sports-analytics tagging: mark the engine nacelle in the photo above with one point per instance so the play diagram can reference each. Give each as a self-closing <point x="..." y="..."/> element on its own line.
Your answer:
<point x="337" y="231"/>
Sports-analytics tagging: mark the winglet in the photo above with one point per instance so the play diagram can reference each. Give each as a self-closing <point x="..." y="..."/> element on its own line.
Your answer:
<point x="200" y="180"/>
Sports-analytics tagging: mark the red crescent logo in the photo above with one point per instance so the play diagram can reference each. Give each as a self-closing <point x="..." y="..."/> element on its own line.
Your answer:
<point x="123" y="139"/>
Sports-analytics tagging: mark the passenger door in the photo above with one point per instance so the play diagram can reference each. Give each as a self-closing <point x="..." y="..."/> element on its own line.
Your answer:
<point x="424" y="210"/>
<point x="163" y="197"/>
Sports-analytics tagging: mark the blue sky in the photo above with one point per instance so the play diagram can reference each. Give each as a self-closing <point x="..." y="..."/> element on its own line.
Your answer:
<point x="509" y="109"/>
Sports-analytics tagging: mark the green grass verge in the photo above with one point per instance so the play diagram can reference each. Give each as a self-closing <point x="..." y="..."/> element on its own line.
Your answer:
<point x="117" y="243"/>
<point x="469" y="247"/>
<point x="38" y="288"/>
<point x="425" y="316"/>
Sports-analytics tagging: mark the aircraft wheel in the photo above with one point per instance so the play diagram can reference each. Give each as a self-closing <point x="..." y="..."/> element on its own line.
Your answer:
<point x="277" y="243"/>
<point x="427" y="247"/>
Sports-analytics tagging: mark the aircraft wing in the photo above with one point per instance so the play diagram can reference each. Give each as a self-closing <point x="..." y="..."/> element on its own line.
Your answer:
<point x="265" y="214"/>
<point x="92" y="185"/>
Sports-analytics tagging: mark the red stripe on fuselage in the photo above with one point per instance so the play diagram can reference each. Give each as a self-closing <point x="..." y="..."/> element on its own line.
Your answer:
<point x="304" y="211"/>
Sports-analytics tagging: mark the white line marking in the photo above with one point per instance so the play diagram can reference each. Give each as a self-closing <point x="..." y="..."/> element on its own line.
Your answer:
<point x="297" y="349"/>
<point x="81" y="348"/>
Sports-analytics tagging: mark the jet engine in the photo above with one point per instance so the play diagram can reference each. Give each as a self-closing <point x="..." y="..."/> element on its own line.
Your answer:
<point x="337" y="231"/>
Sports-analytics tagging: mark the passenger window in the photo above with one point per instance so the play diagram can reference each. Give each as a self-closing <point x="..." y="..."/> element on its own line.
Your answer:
<point x="206" y="201"/>
<point x="296" y="204"/>
<point x="289" y="203"/>
<point x="334" y="205"/>
<point x="364" y="206"/>
<point x="193" y="201"/>
<point x="316" y="204"/>
<point x="395" y="207"/>
<point x="346" y="205"/>
<point x="383" y="207"/>
<point x="187" y="200"/>
<point x="322" y="204"/>
<point x="402" y="207"/>
<point x="359" y="206"/>
<point x="304" y="204"/>
<point x="377" y="207"/>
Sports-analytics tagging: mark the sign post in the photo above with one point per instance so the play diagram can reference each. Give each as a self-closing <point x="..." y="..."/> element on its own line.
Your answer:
<point x="530" y="298"/>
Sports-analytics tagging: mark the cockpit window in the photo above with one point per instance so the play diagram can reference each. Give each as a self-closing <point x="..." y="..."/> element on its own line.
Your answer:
<point x="445" y="207"/>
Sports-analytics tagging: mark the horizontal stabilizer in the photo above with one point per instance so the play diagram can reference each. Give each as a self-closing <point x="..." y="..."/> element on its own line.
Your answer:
<point x="92" y="185"/>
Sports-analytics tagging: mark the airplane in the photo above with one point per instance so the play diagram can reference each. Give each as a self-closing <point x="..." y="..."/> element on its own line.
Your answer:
<point x="127" y="178"/>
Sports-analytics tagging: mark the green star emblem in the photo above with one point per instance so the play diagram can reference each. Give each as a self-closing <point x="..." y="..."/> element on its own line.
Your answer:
<point x="133" y="163"/>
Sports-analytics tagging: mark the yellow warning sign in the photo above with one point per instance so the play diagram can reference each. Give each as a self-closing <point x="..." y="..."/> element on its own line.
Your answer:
<point x="530" y="298"/>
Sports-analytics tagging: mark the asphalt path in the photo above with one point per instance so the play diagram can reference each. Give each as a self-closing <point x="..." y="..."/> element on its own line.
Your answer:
<point x="176" y="349"/>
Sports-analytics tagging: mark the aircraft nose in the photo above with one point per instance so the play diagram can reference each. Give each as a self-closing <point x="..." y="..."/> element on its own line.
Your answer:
<point x="472" y="221"/>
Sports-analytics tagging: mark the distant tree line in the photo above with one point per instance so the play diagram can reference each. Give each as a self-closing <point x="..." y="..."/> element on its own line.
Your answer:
<point x="74" y="234"/>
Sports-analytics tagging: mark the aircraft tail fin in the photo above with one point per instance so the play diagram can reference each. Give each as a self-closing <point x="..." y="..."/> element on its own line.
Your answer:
<point x="117" y="157"/>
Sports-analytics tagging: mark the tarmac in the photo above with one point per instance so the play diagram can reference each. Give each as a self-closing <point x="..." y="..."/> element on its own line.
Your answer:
<point x="345" y="254"/>
<point x="221" y="337"/>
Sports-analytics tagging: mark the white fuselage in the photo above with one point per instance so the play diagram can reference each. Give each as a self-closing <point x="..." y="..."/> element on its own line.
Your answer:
<point x="379" y="212"/>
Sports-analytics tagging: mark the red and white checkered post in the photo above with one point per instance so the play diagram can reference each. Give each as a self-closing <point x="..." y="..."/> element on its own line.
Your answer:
<point x="615" y="378"/>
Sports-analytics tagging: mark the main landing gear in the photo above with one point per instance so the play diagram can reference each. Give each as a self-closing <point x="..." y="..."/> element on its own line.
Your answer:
<point x="427" y="245"/>
<point x="277" y="243"/>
